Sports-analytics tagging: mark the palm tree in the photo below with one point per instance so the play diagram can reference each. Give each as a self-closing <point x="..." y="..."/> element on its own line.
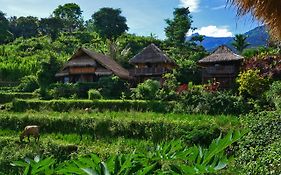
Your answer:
<point x="267" y="11"/>
<point x="240" y="42"/>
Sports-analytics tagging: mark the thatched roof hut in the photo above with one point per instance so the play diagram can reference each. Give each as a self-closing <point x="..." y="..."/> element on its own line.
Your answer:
<point x="267" y="11"/>
<point x="221" y="66"/>
<point x="151" y="54"/>
<point x="221" y="54"/>
<point x="95" y="63"/>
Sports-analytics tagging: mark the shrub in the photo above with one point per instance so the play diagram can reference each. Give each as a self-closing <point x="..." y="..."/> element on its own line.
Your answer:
<point x="146" y="90"/>
<point x="94" y="94"/>
<point x="112" y="87"/>
<point x="251" y="84"/>
<point x="168" y="89"/>
<point x="28" y="84"/>
<point x="273" y="95"/>
<point x="259" y="151"/>
<point x="61" y="90"/>
<point x="199" y="101"/>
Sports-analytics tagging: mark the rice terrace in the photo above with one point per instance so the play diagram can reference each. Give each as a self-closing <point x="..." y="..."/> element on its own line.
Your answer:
<point x="139" y="87"/>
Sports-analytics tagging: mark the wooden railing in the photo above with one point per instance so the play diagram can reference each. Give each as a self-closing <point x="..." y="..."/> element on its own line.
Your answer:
<point x="148" y="71"/>
<point x="220" y="70"/>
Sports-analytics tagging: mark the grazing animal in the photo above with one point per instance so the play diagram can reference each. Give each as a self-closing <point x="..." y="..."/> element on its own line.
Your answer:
<point x="30" y="130"/>
<point x="89" y="110"/>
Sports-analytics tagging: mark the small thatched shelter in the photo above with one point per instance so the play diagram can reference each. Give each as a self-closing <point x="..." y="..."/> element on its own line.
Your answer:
<point x="88" y="66"/>
<point x="267" y="11"/>
<point x="151" y="63"/>
<point x="222" y="66"/>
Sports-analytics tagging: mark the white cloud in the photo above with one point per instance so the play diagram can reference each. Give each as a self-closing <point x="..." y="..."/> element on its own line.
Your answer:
<point x="192" y="4"/>
<point x="213" y="31"/>
<point x="219" y="7"/>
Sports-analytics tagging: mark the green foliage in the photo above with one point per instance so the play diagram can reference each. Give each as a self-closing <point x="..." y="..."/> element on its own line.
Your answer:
<point x="259" y="150"/>
<point x="179" y="26"/>
<point x="10" y="96"/>
<point x="146" y="90"/>
<point x="36" y="166"/>
<point x="109" y="23"/>
<point x="51" y="26"/>
<point x="172" y="157"/>
<point x="112" y="86"/>
<point x="61" y="90"/>
<point x="273" y="95"/>
<point x="199" y="101"/>
<point x="71" y="15"/>
<point x="28" y="84"/>
<point x="192" y="129"/>
<point x="46" y="75"/>
<point x="5" y="35"/>
<point x="240" y="42"/>
<point x="25" y="27"/>
<point x="101" y="105"/>
<point x="168" y="90"/>
<point x="94" y="94"/>
<point x="251" y="83"/>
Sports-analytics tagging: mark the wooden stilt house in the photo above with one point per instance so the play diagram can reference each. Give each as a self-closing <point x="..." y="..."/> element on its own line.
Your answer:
<point x="221" y="66"/>
<point x="89" y="66"/>
<point x="151" y="63"/>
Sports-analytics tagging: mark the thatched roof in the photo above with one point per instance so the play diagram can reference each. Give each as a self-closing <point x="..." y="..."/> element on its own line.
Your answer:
<point x="267" y="11"/>
<point x="84" y="57"/>
<point x="221" y="54"/>
<point x="151" y="54"/>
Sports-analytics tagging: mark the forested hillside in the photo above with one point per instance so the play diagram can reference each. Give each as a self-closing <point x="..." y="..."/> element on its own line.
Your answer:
<point x="29" y="42"/>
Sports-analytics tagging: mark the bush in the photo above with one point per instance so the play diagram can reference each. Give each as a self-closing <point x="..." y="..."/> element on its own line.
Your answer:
<point x="28" y="84"/>
<point x="200" y="101"/>
<point x="259" y="152"/>
<point x="251" y="84"/>
<point x="273" y="95"/>
<point x="94" y="94"/>
<point x="112" y="87"/>
<point x="168" y="89"/>
<point x="61" y="90"/>
<point x="146" y="90"/>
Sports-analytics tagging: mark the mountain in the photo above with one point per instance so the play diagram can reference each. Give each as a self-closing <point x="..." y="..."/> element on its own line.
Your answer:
<point x="256" y="37"/>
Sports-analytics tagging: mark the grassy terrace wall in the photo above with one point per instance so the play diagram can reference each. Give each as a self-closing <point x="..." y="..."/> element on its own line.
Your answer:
<point x="194" y="129"/>
<point x="101" y="105"/>
<point x="10" y="96"/>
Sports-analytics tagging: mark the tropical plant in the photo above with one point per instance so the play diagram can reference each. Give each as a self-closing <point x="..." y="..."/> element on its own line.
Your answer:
<point x="94" y="94"/>
<point x="36" y="166"/>
<point x="146" y="90"/>
<point x="240" y="42"/>
<point x="170" y="157"/>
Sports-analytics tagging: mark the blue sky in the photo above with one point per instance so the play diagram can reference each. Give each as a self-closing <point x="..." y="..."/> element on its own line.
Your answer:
<point x="211" y="17"/>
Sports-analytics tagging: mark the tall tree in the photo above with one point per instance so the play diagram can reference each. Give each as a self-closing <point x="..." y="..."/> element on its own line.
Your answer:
<point x="71" y="14"/>
<point x="109" y="23"/>
<point x="179" y="26"/>
<point x="5" y="35"/>
<point x="240" y="42"/>
<point x="46" y="75"/>
<point x="24" y="26"/>
<point x="51" y="26"/>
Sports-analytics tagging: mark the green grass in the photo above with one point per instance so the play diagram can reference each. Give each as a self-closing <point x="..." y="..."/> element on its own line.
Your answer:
<point x="104" y="133"/>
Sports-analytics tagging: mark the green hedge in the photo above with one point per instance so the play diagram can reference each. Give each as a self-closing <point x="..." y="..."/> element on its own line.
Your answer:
<point x="9" y="97"/>
<point x="100" y="105"/>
